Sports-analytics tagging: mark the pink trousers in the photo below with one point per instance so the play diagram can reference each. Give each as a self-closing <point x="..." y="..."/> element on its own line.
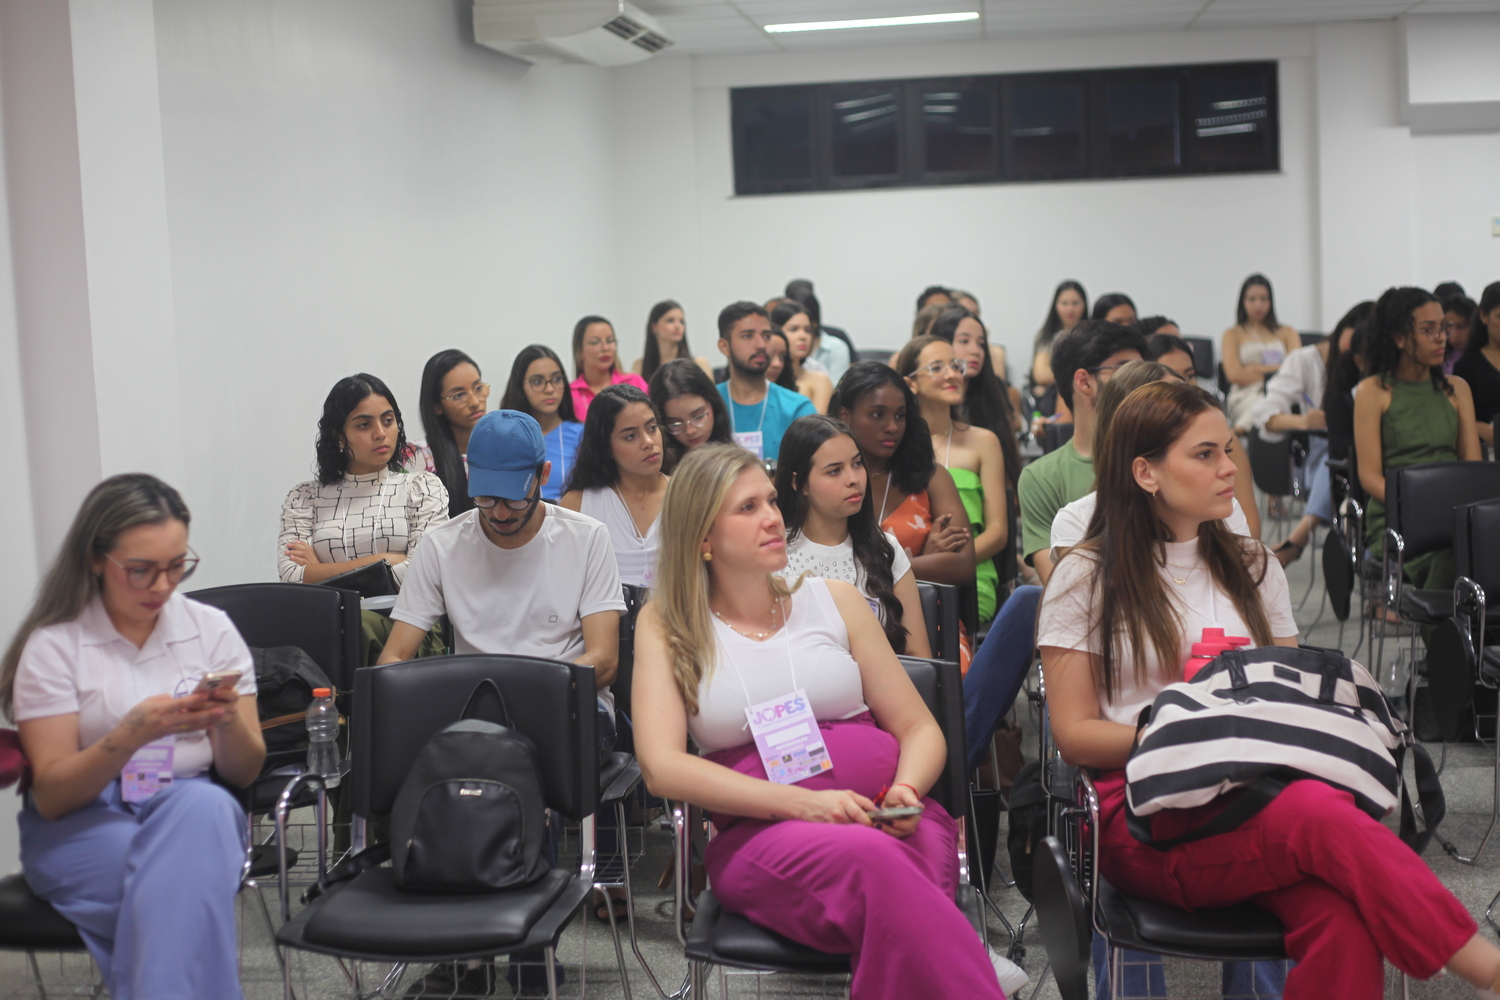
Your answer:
<point x="854" y="890"/>
<point x="1348" y="891"/>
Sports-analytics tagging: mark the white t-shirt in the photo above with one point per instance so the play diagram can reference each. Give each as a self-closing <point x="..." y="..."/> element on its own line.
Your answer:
<point x="86" y="666"/>
<point x="635" y="553"/>
<point x="529" y="601"/>
<point x="836" y="562"/>
<point x="1071" y="525"/>
<point x="811" y="653"/>
<point x="1068" y="620"/>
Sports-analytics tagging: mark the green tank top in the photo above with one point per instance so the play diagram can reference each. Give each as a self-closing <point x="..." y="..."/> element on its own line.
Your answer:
<point x="986" y="577"/>
<point x="1421" y="425"/>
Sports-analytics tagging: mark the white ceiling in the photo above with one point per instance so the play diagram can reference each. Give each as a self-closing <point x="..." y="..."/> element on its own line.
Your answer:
<point x="722" y="26"/>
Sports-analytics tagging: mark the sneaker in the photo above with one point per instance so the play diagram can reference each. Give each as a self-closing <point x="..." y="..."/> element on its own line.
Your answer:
<point x="1012" y="977"/>
<point x="454" y="979"/>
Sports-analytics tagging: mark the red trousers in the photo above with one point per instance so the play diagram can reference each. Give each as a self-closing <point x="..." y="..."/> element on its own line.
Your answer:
<point x="1347" y="889"/>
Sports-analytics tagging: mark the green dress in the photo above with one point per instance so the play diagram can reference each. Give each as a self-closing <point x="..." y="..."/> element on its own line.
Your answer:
<point x="986" y="577"/>
<point x="1421" y="425"/>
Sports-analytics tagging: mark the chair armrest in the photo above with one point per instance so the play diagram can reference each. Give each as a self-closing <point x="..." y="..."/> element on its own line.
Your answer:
<point x="1391" y="575"/>
<point x="283" y="809"/>
<point x="1464" y="586"/>
<point x="1087" y="853"/>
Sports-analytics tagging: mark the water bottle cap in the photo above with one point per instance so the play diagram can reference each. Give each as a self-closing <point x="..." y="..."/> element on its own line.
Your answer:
<point x="322" y="693"/>
<point x="1213" y="635"/>
<point x="1237" y="640"/>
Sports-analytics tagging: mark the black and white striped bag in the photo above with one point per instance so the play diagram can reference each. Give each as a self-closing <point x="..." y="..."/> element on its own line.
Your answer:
<point x="1259" y="719"/>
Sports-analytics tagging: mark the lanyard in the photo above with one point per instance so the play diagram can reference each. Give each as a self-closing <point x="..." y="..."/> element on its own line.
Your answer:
<point x="562" y="453"/>
<point x="786" y="628"/>
<point x="763" y="404"/>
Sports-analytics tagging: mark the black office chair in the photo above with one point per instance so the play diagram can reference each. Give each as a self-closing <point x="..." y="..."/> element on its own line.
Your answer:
<point x="1073" y="900"/>
<point x="720" y="938"/>
<point x="30" y="924"/>
<point x="940" y="607"/>
<point x="1420" y="501"/>
<point x="1054" y="436"/>
<point x="1203" y="356"/>
<point x="873" y="354"/>
<point x="1309" y="338"/>
<point x="398" y="707"/>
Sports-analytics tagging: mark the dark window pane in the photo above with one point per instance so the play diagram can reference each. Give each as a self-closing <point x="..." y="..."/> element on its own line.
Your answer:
<point x="775" y="133"/>
<point x="863" y="132"/>
<point x="1231" y="120"/>
<point x="1141" y="124"/>
<point x="960" y="130"/>
<point x="1046" y="127"/>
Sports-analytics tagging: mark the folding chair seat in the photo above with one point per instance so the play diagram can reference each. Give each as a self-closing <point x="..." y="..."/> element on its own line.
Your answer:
<point x="398" y="707"/>
<point x="719" y="938"/>
<point x="29" y="923"/>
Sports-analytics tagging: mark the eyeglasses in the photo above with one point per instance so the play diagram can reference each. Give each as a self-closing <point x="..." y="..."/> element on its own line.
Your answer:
<point x="142" y="575"/>
<point x="1440" y="332"/>
<point x="1111" y="369"/>
<point x="485" y="503"/>
<point x="539" y="382"/>
<point x="459" y="398"/>
<point x="695" y="421"/>
<point x="935" y="369"/>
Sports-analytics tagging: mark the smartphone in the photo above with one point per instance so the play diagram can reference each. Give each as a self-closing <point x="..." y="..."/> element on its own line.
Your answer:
<point x="893" y="813"/>
<point x="215" y="679"/>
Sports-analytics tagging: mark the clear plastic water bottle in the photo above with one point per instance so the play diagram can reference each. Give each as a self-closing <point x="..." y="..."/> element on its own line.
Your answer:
<point x="322" y="736"/>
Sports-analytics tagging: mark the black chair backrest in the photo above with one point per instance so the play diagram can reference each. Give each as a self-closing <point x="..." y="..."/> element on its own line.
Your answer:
<point x="941" y="685"/>
<point x="1420" y="500"/>
<point x="1006" y="563"/>
<point x="321" y="621"/>
<point x="398" y="707"/>
<point x="1310" y="337"/>
<point x="1054" y="436"/>
<point x="940" y="609"/>
<point x="1476" y="545"/>
<point x="873" y="354"/>
<point x="1271" y="464"/>
<point x="1203" y="356"/>
<point x="635" y="599"/>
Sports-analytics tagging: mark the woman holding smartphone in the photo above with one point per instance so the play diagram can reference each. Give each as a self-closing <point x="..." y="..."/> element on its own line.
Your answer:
<point x="123" y="832"/>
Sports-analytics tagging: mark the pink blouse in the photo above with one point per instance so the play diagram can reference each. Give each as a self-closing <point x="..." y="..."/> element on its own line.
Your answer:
<point x="583" y="395"/>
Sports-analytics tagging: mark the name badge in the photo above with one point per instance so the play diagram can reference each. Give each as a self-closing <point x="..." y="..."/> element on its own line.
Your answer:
<point x="787" y="736"/>
<point x="148" y="771"/>
<point x="751" y="441"/>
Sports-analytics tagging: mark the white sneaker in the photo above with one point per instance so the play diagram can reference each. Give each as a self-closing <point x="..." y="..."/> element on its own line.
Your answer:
<point x="1012" y="977"/>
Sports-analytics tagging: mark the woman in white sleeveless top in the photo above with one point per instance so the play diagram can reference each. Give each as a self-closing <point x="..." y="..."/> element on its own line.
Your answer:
<point x="795" y="848"/>
<point x="617" y="478"/>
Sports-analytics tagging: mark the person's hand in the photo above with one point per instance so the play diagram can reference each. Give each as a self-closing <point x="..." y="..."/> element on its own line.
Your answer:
<point x="1314" y="420"/>
<point x="945" y="536"/>
<point x="895" y="797"/>
<point x="301" y="553"/>
<point x="227" y="698"/>
<point x="161" y="715"/>
<point x="835" y="806"/>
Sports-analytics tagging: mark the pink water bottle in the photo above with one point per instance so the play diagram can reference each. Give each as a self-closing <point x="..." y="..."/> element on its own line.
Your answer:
<point x="1212" y="643"/>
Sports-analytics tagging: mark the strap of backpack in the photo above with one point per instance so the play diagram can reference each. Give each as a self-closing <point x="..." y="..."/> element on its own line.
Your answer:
<point x="487" y="695"/>
<point x="1429" y="795"/>
<point x="1252" y="799"/>
<point x="370" y="857"/>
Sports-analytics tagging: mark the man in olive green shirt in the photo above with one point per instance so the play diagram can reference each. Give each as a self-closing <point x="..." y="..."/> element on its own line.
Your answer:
<point x="1083" y="359"/>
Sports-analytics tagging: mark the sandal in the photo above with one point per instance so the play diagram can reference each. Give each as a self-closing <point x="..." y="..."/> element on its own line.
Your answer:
<point x="604" y="901"/>
<point x="1288" y="552"/>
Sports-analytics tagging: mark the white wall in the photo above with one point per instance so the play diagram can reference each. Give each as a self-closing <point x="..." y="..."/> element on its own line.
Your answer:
<point x="354" y="185"/>
<point x="1337" y="223"/>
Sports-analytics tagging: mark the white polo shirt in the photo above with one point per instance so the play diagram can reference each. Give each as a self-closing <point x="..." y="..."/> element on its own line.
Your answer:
<point x="86" y="666"/>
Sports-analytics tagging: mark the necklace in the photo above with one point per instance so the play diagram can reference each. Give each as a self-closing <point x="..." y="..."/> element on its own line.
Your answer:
<point x="1181" y="581"/>
<point x="776" y="608"/>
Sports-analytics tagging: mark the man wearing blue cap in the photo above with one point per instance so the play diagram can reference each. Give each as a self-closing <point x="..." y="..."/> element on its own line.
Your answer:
<point x="514" y="575"/>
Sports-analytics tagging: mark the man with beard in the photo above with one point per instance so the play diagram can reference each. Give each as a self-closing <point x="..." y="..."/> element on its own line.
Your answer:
<point x="515" y="576"/>
<point x="759" y="411"/>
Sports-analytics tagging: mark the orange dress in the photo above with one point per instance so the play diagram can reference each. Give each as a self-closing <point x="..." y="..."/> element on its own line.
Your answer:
<point x="911" y="523"/>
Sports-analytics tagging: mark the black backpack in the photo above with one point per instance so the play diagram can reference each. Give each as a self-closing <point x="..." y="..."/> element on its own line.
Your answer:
<point x="1028" y="823"/>
<point x="470" y="815"/>
<point x="285" y="677"/>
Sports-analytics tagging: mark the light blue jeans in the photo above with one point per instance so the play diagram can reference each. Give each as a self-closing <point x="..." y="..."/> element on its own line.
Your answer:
<point x="149" y="886"/>
<point x="1146" y="976"/>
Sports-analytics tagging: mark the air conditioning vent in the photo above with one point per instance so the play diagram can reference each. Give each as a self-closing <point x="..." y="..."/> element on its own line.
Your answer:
<point x="555" y="32"/>
<point x="652" y="42"/>
<point x="624" y="27"/>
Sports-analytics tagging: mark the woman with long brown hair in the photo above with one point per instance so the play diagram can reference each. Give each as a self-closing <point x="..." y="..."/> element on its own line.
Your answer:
<point x="796" y="849"/>
<point x="1117" y="620"/>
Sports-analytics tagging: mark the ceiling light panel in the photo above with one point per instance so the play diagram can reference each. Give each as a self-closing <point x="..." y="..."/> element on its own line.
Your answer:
<point x="875" y="22"/>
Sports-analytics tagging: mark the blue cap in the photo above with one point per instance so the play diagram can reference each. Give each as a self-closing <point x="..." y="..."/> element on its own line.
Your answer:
<point x="505" y="449"/>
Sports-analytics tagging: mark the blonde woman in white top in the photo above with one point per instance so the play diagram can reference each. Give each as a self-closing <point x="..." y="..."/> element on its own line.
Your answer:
<point x="362" y="508"/>
<point x="617" y="478"/>
<point x="1253" y="348"/>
